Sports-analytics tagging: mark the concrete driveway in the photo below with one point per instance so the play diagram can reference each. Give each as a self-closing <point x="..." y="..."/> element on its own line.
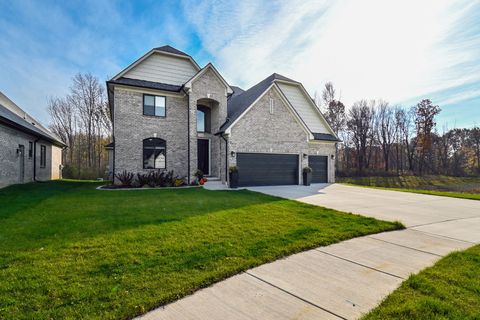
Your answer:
<point x="347" y="279"/>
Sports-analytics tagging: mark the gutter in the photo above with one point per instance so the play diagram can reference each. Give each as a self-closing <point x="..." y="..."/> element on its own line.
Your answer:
<point x="188" y="135"/>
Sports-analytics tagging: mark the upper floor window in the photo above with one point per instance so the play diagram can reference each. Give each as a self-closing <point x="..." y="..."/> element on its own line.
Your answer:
<point x="43" y="156"/>
<point x="154" y="153"/>
<point x="154" y="105"/>
<point x="203" y="119"/>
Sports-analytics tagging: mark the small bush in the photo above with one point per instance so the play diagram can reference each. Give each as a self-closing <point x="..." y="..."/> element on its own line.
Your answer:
<point x="199" y="174"/>
<point x="178" y="182"/>
<point x="142" y="179"/>
<point x="233" y="169"/>
<point x="125" y="178"/>
<point x="307" y="170"/>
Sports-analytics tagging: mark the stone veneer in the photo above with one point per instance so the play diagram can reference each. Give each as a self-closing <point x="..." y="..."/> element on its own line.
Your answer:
<point x="258" y="131"/>
<point x="10" y="139"/>
<point x="132" y="127"/>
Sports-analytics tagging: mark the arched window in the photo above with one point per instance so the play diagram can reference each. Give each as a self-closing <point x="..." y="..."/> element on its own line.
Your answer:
<point x="154" y="153"/>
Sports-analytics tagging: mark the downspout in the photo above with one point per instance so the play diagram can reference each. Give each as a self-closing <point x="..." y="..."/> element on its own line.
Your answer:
<point x="188" y="137"/>
<point x="226" y="157"/>
<point x="35" y="159"/>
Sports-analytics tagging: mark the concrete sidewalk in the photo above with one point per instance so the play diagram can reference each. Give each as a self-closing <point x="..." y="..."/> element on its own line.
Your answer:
<point x="344" y="280"/>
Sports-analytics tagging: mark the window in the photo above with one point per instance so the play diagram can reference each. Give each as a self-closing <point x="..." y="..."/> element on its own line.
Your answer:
<point x="200" y="121"/>
<point x="154" y="153"/>
<point x="154" y="105"/>
<point x="271" y="106"/>
<point x="43" y="156"/>
<point x="30" y="149"/>
<point x="203" y="119"/>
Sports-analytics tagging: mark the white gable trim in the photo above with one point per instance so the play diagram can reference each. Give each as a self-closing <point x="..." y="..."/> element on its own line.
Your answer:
<point x="305" y="93"/>
<point x="188" y="84"/>
<point x="287" y="103"/>
<point x="148" y="54"/>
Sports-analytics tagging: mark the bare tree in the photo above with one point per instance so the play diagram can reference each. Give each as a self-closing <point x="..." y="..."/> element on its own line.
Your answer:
<point x="386" y="130"/>
<point x="63" y="122"/>
<point x="328" y="94"/>
<point x="360" y="125"/>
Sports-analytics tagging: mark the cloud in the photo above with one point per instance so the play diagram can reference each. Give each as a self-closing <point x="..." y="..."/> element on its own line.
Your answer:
<point x="396" y="50"/>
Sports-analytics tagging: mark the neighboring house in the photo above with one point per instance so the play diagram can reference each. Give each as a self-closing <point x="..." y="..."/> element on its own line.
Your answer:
<point x="29" y="152"/>
<point x="170" y="114"/>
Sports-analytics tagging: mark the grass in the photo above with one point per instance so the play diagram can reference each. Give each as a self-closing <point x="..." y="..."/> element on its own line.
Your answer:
<point x="456" y="187"/>
<point x="69" y="251"/>
<point x="448" y="290"/>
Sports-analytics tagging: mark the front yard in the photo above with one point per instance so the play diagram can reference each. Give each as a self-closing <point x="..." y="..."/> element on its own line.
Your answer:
<point x="448" y="290"/>
<point x="456" y="187"/>
<point x="70" y="251"/>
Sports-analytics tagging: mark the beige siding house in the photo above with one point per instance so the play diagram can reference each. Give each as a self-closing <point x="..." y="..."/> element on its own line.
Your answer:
<point x="29" y="151"/>
<point x="168" y="113"/>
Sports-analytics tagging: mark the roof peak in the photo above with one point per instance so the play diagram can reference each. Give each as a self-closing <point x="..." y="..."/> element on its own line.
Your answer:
<point x="169" y="49"/>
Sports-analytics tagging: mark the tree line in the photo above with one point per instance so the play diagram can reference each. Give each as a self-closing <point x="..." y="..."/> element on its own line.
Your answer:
<point x="383" y="139"/>
<point x="81" y="119"/>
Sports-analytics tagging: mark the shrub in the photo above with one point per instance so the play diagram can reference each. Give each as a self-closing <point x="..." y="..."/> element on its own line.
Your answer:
<point x="142" y="179"/>
<point x="307" y="170"/>
<point x="178" y="183"/>
<point x="199" y="174"/>
<point x="233" y="169"/>
<point x="125" y="178"/>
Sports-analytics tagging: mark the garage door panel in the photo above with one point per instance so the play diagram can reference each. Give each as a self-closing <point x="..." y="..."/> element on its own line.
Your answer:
<point x="257" y="169"/>
<point x="319" y="165"/>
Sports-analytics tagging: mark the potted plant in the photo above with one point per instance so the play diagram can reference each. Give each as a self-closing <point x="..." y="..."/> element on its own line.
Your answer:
<point x="307" y="176"/>
<point x="233" y="173"/>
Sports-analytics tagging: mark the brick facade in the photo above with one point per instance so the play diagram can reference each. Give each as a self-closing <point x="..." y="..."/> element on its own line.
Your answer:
<point x="259" y="131"/>
<point x="10" y="169"/>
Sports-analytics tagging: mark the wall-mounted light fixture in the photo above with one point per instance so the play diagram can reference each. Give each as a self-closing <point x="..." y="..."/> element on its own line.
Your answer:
<point x="305" y="156"/>
<point x="232" y="154"/>
<point x="332" y="156"/>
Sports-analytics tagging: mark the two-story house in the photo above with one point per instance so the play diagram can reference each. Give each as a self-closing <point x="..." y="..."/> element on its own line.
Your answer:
<point x="168" y="113"/>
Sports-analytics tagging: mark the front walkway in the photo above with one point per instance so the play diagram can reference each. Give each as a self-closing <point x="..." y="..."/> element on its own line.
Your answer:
<point x="344" y="280"/>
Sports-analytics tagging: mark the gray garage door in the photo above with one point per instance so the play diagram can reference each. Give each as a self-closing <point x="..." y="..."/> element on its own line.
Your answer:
<point x="264" y="169"/>
<point x="319" y="165"/>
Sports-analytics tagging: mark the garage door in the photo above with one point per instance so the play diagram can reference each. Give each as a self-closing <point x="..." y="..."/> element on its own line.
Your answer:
<point x="319" y="165"/>
<point x="265" y="169"/>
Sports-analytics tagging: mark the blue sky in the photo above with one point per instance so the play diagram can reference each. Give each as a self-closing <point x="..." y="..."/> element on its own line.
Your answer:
<point x="399" y="51"/>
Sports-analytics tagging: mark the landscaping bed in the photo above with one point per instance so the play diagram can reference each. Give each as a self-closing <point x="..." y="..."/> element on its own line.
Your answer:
<point x="68" y="250"/>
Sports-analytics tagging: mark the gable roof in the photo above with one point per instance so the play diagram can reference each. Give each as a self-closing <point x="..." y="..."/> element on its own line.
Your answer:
<point x="210" y="66"/>
<point x="167" y="50"/>
<point x="171" y="49"/>
<point x="237" y="104"/>
<point x="33" y="127"/>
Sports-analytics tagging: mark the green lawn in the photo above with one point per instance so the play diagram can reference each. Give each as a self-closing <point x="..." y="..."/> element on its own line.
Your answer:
<point x="456" y="187"/>
<point x="69" y="251"/>
<point x="448" y="290"/>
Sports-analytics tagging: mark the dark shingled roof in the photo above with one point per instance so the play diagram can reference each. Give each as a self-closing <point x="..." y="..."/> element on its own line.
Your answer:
<point x="170" y="49"/>
<point x="146" y="84"/>
<point x="18" y="122"/>
<point x="325" y="137"/>
<point x="238" y="103"/>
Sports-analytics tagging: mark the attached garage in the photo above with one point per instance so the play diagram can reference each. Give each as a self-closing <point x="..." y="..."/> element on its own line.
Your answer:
<point x="319" y="165"/>
<point x="266" y="169"/>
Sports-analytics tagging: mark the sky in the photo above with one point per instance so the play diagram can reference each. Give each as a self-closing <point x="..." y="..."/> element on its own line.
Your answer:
<point x="400" y="51"/>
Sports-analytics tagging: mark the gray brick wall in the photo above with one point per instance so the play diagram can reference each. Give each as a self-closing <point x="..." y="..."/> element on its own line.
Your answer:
<point x="209" y="90"/>
<point x="10" y="161"/>
<point x="131" y="127"/>
<point x="262" y="132"/>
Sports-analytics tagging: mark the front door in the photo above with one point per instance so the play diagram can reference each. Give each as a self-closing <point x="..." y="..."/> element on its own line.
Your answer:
<point x="203" y="155"/>
<point x="21" y="155"/>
